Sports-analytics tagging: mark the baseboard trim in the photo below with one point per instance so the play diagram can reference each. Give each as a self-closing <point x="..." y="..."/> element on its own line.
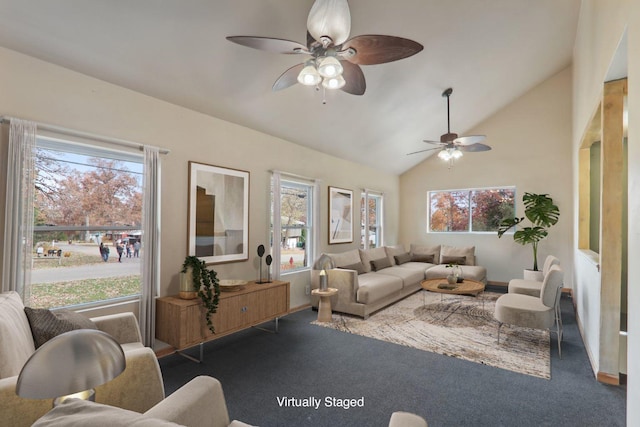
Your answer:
<point x="607" y="378"/>
<point x="299" y="308"/>
<point x="492" y="283"/>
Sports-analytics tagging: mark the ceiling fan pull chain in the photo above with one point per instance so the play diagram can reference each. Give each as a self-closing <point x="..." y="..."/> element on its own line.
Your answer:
<point x="324" y="96"/>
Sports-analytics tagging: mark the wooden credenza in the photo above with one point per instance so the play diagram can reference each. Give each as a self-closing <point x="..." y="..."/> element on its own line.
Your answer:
<point x="182" y="324"/>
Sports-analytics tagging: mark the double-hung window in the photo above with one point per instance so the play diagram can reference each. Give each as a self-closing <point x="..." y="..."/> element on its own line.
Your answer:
<point x="292" y="222"/>
<point x="371" y="209"/>
<point x="87" y="225"/>
<point x="469" y="210"/>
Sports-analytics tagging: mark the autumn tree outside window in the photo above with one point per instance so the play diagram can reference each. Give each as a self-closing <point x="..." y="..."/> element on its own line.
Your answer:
<point x="469" y="210"/>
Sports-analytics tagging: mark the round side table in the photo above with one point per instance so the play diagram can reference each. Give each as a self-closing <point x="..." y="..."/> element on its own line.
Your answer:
<point x="324" y="306"/>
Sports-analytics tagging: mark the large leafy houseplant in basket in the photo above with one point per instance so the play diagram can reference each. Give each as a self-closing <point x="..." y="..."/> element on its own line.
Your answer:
<point x="542" y="213"/>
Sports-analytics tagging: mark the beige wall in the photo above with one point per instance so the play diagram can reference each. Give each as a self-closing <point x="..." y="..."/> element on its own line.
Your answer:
<point x="531" y="149"/>
<point x="39" y="91"/>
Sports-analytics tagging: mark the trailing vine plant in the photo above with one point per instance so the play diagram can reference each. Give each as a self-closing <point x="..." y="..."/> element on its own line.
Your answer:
<point x="206" y="284"/>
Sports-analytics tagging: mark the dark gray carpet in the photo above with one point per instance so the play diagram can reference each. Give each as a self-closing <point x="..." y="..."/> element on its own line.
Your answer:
<point x="301" y="361"/>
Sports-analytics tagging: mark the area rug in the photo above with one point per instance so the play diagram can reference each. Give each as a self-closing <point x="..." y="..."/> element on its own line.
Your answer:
<point x="457" y="326"/>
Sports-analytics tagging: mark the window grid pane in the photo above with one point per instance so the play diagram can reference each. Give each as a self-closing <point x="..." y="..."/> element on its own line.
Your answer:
<point x="295" y="212"/>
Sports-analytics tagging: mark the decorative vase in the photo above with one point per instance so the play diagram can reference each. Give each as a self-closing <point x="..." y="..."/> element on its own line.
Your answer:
<point x="186" y="285"/>
<point x="452" y="279"/>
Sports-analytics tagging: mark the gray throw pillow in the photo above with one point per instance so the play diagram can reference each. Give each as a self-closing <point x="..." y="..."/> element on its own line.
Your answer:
<point x="379" y="264"/>
<point x="422" y="258"/>
<point x="460" y="260"/>
<point x="403" y="258"/>
<point x="46" y="324"/>
<point x="359" y="267"/>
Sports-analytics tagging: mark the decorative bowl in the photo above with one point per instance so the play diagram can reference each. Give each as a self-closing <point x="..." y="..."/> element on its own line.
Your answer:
<point x="228" y="285"/>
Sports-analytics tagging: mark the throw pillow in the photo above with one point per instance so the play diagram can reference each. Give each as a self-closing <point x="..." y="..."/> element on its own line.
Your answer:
<point x="46" y="324"/>
<point x="460" y="260"/>
<point x="402" y="258"/>
<point x="358" y="267"/>
<point x="379" y="264"/>
<point x="422" y="258"/>
<point x="466" y="251"/>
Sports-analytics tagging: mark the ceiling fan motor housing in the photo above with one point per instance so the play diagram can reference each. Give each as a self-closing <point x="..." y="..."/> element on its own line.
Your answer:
<point x="448" y="137"/>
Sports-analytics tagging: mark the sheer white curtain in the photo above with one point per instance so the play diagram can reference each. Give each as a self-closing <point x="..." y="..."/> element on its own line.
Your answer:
<point x="18" y="228"/>
<point x="151" y="244"/>
<point x="277" y="225"/>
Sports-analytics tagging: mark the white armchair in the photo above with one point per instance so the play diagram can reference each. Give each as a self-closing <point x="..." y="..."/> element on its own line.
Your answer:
<point x="532" y="287"/>
<point x="138" y="388"/>
<point x="534" y="312"/>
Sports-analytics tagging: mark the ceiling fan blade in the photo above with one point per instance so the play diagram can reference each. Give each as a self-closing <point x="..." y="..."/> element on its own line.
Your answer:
<point x="469" y="139"/>
<point x="474" y="148"/>
<point x="288" y="78"/>
<point x="428" y="149"/>
<point x="376" y="49"/>
<point x="269" y="44"/>
<point x="434" y="142"/>
<point x="330" y="18"/>
<point x="353" y="75"/>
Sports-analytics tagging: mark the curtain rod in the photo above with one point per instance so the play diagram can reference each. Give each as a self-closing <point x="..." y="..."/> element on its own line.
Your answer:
<point x="80" y="134"/>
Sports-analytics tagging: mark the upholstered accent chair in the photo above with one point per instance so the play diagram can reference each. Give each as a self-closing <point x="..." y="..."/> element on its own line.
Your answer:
<point x="532" y="287"/>
<point x="542" y="312"/>
<point x="138" y="388"/>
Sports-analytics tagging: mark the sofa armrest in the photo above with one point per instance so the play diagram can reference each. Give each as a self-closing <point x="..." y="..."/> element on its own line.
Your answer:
<point x="406" y="419"/>
<point x="198" y="403"/>
<point x="16" y="411"/>
<point x="122" y="326"/>
<point x="139" y="387"/>
<point x="346" y="281"/>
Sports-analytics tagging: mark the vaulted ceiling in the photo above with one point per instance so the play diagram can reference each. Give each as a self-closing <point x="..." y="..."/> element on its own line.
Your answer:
<point x="489" y="51"/>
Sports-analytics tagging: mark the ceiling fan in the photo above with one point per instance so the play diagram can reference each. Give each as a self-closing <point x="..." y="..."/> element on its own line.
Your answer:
<point x="451" y="145"/>
<point x="335" y="59"/>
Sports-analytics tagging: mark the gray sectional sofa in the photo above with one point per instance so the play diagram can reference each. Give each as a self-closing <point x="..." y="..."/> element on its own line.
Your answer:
<point x="368" y="280"/>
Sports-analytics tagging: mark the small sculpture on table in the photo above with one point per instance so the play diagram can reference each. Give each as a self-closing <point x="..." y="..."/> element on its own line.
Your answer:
<point x="260" y="254"/>
<point x="268" y="260"/>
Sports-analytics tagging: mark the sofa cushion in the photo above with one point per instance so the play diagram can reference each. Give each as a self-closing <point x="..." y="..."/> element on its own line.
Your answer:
<point x="358" y="267"/>
<point x="402" y="258"/>
<point x="376" y="286"/>
<point x="46" y="324"/>
<point x="82" y="413"/>
<point x="458" y="260"/>
<point x="343" y="259"/>
<point x="392" y="251"/>
<point x="467" y="251"/>
<point x="369" y="255"/>
<point x="423" y="258"/>
<point x="16" y="343"/>
<point x="409" y="276"/>
<point x="379" y="264"/>
<point x="426" y="250"/>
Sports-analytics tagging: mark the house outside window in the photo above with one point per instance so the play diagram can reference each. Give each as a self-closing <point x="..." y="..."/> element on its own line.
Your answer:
<point x="88" y="201"/>
<point x="371" y="209"/>
<point x="293" y="242"/>
<point x="469" y="210"/>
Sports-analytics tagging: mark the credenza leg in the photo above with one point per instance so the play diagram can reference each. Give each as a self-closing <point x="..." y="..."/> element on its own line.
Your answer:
<point x="272" y="331"/>
<point x="193" y="359"/>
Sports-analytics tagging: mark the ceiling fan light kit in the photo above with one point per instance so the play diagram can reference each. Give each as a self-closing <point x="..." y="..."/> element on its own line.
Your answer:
<point x="451" y="146"/>
<point x="336" y="59"/>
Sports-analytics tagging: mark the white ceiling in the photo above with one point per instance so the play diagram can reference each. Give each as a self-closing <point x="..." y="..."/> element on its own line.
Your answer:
<point x="489" y="51"/>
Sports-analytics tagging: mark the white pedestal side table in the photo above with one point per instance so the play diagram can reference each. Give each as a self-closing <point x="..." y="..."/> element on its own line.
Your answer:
<point x="324" y="306"/>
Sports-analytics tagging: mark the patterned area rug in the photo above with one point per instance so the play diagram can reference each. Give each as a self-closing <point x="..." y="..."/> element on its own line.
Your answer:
<point x="456" y="326"/>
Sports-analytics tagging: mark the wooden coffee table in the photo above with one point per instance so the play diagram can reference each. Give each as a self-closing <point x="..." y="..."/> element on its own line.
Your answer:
<point x="441" y="286"/>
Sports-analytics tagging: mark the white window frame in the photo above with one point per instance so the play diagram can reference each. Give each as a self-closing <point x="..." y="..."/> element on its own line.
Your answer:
<point x="470" y="219"/>
<point x="311" y="239"/>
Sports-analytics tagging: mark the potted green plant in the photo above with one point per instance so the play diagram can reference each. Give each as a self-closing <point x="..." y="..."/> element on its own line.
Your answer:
<point x="205" y="284"/>
<point x="542" y="213"/>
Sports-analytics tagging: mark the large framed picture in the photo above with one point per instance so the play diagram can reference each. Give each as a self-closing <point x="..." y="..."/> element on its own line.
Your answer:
<point x="340" y="215"/>
<point x="218" y="224"/>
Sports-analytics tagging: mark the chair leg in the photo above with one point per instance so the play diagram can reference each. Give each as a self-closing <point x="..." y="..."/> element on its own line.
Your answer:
<point x="499" y="326"/>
